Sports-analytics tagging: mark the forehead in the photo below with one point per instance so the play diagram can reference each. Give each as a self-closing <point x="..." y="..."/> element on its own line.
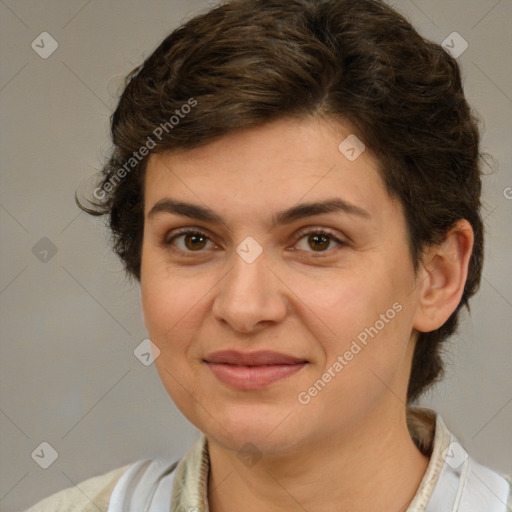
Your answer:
<point x="270" y="167"/>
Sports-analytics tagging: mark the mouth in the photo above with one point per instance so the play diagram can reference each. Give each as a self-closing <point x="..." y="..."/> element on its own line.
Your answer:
<point x="253" y="370"/>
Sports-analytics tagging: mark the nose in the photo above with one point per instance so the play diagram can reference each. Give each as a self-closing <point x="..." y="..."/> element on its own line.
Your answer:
<point x="250" y="297"/>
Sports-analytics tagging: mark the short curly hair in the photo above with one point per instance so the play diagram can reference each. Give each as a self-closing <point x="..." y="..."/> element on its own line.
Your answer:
<point x="248" y="62"/>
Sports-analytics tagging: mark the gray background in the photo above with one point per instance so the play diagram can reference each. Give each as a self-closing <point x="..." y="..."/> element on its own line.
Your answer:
<point x="70" y="324"/>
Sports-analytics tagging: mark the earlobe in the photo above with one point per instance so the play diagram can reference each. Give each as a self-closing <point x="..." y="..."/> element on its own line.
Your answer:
<point x="442" y="280"/>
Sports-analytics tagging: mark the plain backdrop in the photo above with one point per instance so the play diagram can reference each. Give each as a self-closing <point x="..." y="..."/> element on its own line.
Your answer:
<point x="71" y="321"/>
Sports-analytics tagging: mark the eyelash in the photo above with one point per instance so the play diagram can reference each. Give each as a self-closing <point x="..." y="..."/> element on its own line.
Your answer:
<point x="169" y="242"/>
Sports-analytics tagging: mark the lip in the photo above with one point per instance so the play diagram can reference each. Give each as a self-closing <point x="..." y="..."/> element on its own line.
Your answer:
<point x="260" y="358"/>
<point x="252" y="370"/>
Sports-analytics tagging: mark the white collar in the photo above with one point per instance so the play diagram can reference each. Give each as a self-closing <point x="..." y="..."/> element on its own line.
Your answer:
<point x="453" y="482"/>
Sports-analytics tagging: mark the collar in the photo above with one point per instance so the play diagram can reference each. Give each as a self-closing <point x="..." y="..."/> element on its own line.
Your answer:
<point x="451" y="479"/>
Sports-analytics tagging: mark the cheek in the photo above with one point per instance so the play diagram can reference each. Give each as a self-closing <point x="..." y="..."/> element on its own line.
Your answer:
<point x="169" y="305"/>
<point x="354" y="302"/>
<point x="169" y="296"/>
<point x="369" y="325"/>
<point x="171" y="308"/>
<point x="363" y="362"/>
<point x="175" y="305"/>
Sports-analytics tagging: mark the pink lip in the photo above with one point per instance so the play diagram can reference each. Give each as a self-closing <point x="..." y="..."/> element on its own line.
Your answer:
<point x="255" y="370"/>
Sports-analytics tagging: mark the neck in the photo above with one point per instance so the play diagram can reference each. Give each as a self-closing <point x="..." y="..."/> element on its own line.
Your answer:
<point x="351" y="471"/>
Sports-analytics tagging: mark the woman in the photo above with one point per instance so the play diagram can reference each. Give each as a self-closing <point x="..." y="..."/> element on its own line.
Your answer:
<point x="296" y="185"/>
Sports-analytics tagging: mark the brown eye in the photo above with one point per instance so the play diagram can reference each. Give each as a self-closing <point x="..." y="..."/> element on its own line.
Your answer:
<point x="318" y="241"/>
<point x="189" y="241"/>
<point x="195" y="241"/>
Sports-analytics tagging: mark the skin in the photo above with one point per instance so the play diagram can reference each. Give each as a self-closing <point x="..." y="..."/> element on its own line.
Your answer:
<point x="349" y="445"/>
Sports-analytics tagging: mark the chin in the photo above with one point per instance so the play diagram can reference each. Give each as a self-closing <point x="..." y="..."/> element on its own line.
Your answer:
<point x="270" y="431"/>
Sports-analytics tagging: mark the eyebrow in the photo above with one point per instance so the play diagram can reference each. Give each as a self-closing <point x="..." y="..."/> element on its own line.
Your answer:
<point x="297" y="212"/>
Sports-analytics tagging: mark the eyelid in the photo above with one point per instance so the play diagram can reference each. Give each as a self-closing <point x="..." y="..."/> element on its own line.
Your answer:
<point x="185" y="231"/>
<point x="319" y="230"/>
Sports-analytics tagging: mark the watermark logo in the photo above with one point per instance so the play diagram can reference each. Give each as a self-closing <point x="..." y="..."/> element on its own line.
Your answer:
<point x="44" y="45"/>
<point x="44" y="250"/>
<point x="147" y="352"/>
<point x="454" y="455"/>
<point x="249" y="454"/>
<point x="45" y="455"/>
<point x="455" y="45"/>
<point x="352" y="147"/>
<point x="249" y="250"/>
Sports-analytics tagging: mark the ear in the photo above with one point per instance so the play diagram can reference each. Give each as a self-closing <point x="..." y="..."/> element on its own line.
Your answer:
<point x="442" y="277"/>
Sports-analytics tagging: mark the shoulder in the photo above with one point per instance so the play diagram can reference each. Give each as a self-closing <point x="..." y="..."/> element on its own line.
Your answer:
<point x="484" y="488"/>
<point x="88" y="496"/>
<point x="452" y="475"/>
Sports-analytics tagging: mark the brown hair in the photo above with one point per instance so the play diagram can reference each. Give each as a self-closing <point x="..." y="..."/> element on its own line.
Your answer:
<point x="248" y="62"/>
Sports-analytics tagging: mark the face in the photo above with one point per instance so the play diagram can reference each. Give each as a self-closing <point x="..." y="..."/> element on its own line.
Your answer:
<point x="278" y="285"/>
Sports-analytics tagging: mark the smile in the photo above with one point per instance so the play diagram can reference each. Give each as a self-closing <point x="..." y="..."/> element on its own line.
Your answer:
<point x="252" y="371"/>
